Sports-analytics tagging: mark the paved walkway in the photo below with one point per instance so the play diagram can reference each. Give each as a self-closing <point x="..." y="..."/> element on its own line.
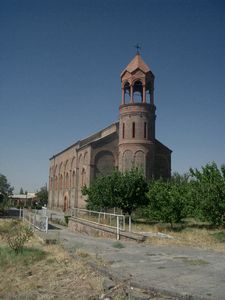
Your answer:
<point x="185" y="272"/>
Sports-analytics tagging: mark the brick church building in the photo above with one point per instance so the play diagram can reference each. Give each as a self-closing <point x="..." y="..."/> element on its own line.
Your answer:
<point x="129" y="142"/>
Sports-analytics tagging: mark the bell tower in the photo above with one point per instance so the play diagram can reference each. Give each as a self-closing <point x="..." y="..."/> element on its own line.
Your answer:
<point x="137" y="118"/>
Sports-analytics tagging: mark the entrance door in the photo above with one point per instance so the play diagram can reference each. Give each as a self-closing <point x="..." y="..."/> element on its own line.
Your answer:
<point x="65" y="207"/>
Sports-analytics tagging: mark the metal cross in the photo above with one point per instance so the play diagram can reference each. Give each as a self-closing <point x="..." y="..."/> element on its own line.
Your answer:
<point x="138" y="47"/>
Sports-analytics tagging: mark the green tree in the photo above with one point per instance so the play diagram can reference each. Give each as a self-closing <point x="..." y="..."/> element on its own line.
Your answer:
<point x="131" y="191"/>
<point x="21" y="191"/>
<point x="42" y="196"/>
<point x="209" y="193"/>
<point x="5" y="191"/>
<point x="126" y="191"/>
<point x="168" y="199"/>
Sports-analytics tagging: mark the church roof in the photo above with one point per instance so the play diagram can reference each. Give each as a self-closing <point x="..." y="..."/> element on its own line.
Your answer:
<point x="136" y="63"/>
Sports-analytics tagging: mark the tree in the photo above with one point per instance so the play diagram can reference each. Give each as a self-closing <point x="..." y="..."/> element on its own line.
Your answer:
<point x="131" y="191"/>
<point x="5" y="188"/>
<point x="209" y="193"/>
<point x="21" y="191"/>
<point x="42" y="196"/>
<point x="168" y="199"/>
<point x="5" y="192"/>
<point x="126" y="191"/>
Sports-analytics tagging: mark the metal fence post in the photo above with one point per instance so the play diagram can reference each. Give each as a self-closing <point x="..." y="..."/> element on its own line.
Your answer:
<point x="129" y="223"/>
<point x="46" y="224"/>
<point x="117" y="228"/>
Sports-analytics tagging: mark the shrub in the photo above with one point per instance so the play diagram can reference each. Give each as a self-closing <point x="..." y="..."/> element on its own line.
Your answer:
<point x="17" y="236"/>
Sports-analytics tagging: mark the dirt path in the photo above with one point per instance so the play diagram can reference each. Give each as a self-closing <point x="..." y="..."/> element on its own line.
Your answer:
<point x="184" y="273"/>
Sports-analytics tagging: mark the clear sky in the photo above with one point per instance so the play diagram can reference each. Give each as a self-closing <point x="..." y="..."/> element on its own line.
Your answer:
<point x="60" y="65"/>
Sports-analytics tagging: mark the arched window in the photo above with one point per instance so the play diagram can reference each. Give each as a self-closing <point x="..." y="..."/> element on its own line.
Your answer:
<point x="61" y="182"/>
<point x="67" y="181"/>
<point x="127" y="92"/>
<point x="56" y="183"/>
<point x="145" y="130"/>
<point x="104" y="163"/>
<point x="73" y="179"/>
<point x="127" y="160"/>
<point x="138" y="91"/>
<point x="133" y="129"/>
<point x="83" y="177"/>
<point x="139" y="161"/>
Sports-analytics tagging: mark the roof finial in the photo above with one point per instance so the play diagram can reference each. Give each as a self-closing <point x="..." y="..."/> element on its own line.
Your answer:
<point x="138" y="47"/>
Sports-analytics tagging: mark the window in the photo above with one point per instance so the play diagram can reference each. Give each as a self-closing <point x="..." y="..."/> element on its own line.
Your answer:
<point x="133" y="130"/>
<point x="145" y="130"/>
<point x="123" y="130"/>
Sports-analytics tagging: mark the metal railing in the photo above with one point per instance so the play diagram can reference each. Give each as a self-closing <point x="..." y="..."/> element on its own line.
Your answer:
<point x="102" y="218"/>
<point x="36" y="218"/>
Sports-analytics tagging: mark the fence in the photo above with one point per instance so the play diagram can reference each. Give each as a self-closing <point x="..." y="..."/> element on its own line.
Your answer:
<point x="37" y="218"/>
<point x="106" y="219"/>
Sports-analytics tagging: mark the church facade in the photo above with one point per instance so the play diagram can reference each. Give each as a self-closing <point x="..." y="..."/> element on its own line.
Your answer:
<point x="127" y="143"/>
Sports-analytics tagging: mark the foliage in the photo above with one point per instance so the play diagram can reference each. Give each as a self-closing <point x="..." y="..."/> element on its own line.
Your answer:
<point x="5" y="188"/>
<point x="10" y="259"/>
<point x="167" y="200"/>
<point x="66" y="218"/>
<point x="118" y="245"/>
<point x="132" y="191"/>
<point x="17" y="235"/>
<point x="42" y="196"/>
<point x="209" y="192"/>
<point x="126" y="191"/>
<point x="5" y="192"/>
<point x="219" y="236"/>
<point x="21" y="191"/>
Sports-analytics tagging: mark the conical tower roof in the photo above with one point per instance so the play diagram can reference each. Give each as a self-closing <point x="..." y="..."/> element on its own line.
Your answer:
<point x="136" y="63"/>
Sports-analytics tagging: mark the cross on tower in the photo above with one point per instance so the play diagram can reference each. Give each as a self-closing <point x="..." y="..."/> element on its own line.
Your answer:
<point x="138" y="47"/>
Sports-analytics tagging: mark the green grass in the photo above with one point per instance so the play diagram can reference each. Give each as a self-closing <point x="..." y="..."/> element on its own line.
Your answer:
<point x="8" y="257"/>
<point x="118" y="245"/>
<point x="219" y="236"/>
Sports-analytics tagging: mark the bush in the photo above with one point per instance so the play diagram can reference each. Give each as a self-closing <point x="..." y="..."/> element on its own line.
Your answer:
<point x="66" y="218"/>
<point x="17" y="236"/>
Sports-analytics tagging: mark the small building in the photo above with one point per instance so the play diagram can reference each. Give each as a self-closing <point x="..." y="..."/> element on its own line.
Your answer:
<point x="129" y="142"/>
<point x="24" y="200"/>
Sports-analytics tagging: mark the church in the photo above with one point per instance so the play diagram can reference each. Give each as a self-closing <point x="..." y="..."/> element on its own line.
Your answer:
<point x="129" y="142"/>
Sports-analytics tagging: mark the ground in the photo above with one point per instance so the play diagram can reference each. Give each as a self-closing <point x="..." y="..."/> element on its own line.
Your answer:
<point x="190" y="265"/>
<point x="45" y="271"/>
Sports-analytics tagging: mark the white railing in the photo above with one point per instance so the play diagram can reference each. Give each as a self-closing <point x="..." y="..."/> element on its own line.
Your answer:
<point x="36" y="218"/>
<point x="105" y="219"/>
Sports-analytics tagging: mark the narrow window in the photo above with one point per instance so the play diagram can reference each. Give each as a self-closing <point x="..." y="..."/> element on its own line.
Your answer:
<point x="145" y="130"/>
<point x="123" y="130"/>
<point x="133" y="130"/>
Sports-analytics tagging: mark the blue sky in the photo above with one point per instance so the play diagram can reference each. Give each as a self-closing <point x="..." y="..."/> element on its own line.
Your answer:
<point x="60" y="64"/>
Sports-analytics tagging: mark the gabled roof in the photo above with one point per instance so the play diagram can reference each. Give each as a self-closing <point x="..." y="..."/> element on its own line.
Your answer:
<point x="109" y="130"/>
<point x="136" y="63"/>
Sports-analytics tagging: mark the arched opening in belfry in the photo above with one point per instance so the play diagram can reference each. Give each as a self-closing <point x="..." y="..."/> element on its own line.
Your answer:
<point x="138" y="91"/>
<point x="127" y="92"/>
<point x="148" y="95"/>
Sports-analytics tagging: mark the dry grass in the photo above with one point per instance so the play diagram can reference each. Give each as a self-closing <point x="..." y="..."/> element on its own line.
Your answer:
<point x="55" y="275"/>
<point x="187" y="236"/>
